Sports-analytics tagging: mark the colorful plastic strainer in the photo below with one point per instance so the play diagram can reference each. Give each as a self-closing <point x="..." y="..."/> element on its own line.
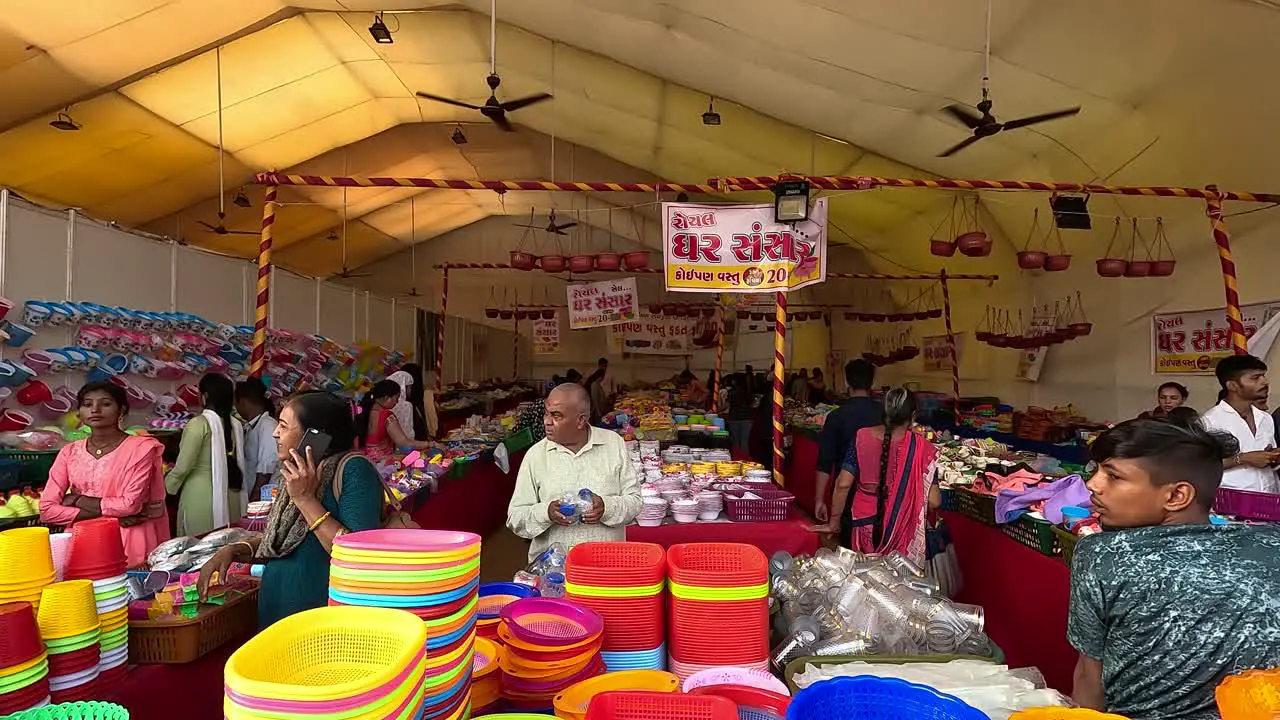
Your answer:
<point x="546" y="620"/>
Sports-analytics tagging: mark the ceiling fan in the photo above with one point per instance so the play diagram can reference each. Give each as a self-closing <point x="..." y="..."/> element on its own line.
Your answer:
<point x="984" y="124"/>
<point x="346" y="273"/>
<point x="413" y="254"/>
<point x="493" y="109"/>
<point x="221" y="227"/>
<point x="551" y="227"/>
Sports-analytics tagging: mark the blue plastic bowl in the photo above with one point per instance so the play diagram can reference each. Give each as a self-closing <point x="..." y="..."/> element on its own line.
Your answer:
<point x="865" y="697"/>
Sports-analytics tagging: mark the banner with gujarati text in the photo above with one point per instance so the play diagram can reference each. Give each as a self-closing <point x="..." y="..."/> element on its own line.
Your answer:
<point x="607" y="302"/>
<point x="936" y="352"/>
<point x="651" y="334"/>
<point x="546" y="336"/>
<point x="740" y="249"/>
<point x="1192" y="343"/>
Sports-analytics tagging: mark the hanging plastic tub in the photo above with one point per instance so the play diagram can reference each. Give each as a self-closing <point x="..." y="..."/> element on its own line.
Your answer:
<point x="608" y="261"/>
<point x="521" y="260"/>
<point x="1162" y="268"/>
<point x="1057" y="263"/>
<point x="553" y="263"/>
<point x="548" y="314"/>
<point x="1137" y="269"/>
<point x="506" y="314"/>
<point x="942" y="248"/>
<point x="1112" y="267"/>
<point x="491" y="313"/>
<point x="744" y="314"/>
<point x="582" y="263"/>
<point x="1032" y="259"/>
<point x="974" y="244"/>
<point x="636" y="260"/>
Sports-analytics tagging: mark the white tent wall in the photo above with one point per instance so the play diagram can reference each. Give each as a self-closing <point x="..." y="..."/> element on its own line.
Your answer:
<point x="50" y="254"/>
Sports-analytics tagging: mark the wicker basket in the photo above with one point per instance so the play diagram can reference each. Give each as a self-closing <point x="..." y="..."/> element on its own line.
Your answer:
<point x="175" y="642"/>
<point x="773" y="505"/>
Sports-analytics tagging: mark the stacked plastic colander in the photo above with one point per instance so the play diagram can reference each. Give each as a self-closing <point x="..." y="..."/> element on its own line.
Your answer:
<point x="68" y="619"/>
<point x="623" y="582"/>
<point x="433" y="574"/>
<point x="24" y="666"/>
<point x="96" y="553"/>
<point x="719" y="607"/>
<point x="494" y="597"/>
<point x="550" y="645"/>
<point x="27" y="563"/>
<point x="348" y="662"/>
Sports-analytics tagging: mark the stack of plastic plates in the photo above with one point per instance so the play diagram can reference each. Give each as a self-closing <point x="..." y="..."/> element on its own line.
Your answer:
<point x="24" y="667"/>
<point x="572" y="704"/>
<point x="625" y="583"/>
<point x="486" y="677"/>
<point x="550" y="645"/>
<point x="435" y="575"/>
<point x="494" y="597"/>
<point x="347" y="662"/>
<point x="111" y="597"/>
<point x="719" y="607"/>
<point x="27" y="563"/>
<point x="68" y="619"/>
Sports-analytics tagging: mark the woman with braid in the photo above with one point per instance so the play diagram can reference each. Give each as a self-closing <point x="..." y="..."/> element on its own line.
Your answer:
<point x="890" y="470"/>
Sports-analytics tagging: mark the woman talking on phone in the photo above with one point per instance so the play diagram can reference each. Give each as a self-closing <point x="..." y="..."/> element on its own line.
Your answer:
<point x="329" y="490"/>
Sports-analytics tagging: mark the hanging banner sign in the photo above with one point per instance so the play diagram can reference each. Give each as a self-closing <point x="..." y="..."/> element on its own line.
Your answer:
<point x="651" y="334"/>
<point x="607" y="302"/>
<point x="937" y="353"/>
<point x="1192" y="343"/>
<point x="740" y="249"/>
<point x="546" y="336"/>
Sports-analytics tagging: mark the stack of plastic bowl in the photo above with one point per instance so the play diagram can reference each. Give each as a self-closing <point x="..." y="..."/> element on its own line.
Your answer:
<point x="68" y="619"/>
<point x="24" y="666"/>
<point x="59" y="545"/>
<point x="572" y="704"/>
<point x="434" y="574"/>
<point x="96" y="552"/>
<point x="550" y="645"/>
<point x="348" y="662"/>
<point x="719" y="607"/>
<point x="486" y="677"/>
<point x="623" y="582"/>
<point x="27" y="563"/>
<point x="494" y="597"/>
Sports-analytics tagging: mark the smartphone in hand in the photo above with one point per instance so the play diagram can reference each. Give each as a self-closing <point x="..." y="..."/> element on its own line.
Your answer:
<point x="317" y="442"/>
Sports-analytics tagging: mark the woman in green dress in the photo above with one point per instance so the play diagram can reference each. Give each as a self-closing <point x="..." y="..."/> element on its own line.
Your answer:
<point x="208" y="477"/>
<point x="317" y="505"/>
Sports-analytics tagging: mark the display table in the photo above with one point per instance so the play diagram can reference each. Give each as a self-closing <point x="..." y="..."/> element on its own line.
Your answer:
<point x="1025" y="594"/>
<point x="476" y="502"/>
<point x="193" y="690"/>
<point x="792" y="535"/>
<point x="801" y="471"/>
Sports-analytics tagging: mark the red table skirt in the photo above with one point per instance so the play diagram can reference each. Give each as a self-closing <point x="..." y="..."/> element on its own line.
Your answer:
<point x="792" y="534"/>
<point x="801" y="471"/>
<point x="476" y="502"/>
<point x="1025" y="595"/>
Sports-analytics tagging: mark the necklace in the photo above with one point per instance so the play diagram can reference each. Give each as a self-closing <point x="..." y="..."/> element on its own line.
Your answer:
<point x="98" y="450"/>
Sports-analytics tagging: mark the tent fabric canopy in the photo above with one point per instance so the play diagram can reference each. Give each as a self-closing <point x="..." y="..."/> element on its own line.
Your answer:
<point x="814" y="86"/>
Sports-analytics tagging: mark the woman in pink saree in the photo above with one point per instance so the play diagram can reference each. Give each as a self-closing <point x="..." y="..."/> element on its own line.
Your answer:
<point x="109" y="474"/>
<point x="890" y="470"/>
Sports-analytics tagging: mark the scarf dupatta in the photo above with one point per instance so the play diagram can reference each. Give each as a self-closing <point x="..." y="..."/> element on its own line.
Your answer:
<point x="286" y="527"/>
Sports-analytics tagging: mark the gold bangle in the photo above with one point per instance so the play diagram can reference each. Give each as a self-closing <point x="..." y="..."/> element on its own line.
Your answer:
<point x="319" y="520"/>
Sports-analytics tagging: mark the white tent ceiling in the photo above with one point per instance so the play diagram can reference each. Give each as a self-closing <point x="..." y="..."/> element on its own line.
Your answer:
<point x="1173" y="92"/>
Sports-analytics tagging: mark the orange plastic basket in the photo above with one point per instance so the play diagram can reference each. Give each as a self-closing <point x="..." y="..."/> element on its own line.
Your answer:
<point x="1250" y="695"/>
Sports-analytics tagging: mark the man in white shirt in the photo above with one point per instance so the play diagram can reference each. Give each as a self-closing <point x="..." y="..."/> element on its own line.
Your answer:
<point x="1244" y="381"/>
<point x="261" y="458"/>
<point x="572" y="457"/>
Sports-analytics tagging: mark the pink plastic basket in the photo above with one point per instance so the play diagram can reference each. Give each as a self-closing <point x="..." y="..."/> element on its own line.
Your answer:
<point x="545" y="621"/>
<point x="1247" y="504"/>
<point x="772" y="506"/>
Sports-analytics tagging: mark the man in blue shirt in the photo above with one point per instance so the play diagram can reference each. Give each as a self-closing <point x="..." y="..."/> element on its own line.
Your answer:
<point x="841" y="425"/>
<point x="1165" y="605"/>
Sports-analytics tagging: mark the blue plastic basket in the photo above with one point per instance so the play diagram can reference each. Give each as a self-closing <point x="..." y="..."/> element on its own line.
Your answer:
<point x="866" y="697"/>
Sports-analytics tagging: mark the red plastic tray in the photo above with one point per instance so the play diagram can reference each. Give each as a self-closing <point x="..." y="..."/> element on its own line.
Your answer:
<point x="660" y="706"/>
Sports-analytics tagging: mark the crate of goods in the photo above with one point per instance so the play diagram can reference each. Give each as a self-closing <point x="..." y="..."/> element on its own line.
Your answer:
<point x="1067" y="542"/>
<point x="976" y="506"/>
<point x="770" y="504"/>
<point x="1034" y="533"/>
<point x="1247" y="504"/>
<point x="175" y="642"/>
<point x="33" y="467"/>
<point x="519" y="440"/>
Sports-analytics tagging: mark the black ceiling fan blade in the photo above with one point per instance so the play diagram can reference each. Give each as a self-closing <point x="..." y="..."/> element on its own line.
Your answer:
<point x="524" y="102"/>
<point x="563" y="226"/>
<point x="1042" y="117"/>
<point x="531" y="227"/>
<point x="448" y="101"/>
<point x="500" y="119"/>
<point x="211" y="228"/>
<point x="960" y="146"/>
<point x="555" y="230"/>
<point x="239" y="232"/>
<point x="965" y="115"/>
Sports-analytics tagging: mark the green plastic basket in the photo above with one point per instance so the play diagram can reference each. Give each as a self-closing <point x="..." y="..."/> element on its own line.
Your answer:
<point x="1035" y="534"/>
<point x="796" y="666"/>
<point x="1067" y="542"/>
<point x="35" y="465"/>
<point x="519" y="440"/>
<point x="976" y="506"/>
<point x="93" y="710"/>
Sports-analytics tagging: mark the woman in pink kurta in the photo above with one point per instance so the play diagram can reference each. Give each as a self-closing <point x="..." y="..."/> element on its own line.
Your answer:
<point x="109" y="474"/>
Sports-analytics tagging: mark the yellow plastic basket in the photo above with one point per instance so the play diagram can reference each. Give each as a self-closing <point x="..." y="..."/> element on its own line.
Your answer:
<point x="67" y="609"/>
<point x="1063" y="713"/>
<point x="328" y="653"/>
<point x="572" y="703"/>
<point x="25" y="554"/>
